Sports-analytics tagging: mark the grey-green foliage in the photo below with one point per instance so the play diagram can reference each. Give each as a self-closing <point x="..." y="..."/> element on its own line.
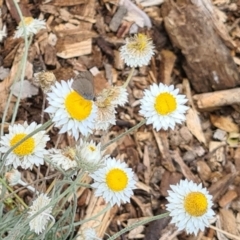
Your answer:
<point x="15" y="223"/>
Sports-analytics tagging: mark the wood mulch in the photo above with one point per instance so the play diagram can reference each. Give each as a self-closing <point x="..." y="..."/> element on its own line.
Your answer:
<point x="197" y="48"/>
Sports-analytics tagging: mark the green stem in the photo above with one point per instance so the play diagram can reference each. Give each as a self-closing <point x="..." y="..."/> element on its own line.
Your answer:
<point x="18" y="70"/>
<point x="53" y="202"/>
<point x="139" y="223"/>
<point x="76" y="181"/>
<point x="129" y="78"/>
<point x="123" y="134"/>
<point x="43" y="106"/>
<point x="89" y="219"/>
<point x="23" y="60"/>
<point x="44" y="126"/>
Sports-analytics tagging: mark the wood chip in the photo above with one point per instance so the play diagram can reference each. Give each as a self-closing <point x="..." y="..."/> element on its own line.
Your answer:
<point x="117" y="18"/>
<point x="166" y="66"/>
<point x="219" y="188"/>
<point x="50" y="56"/>
<point x="227" y="198"/>
<point x="224" y="123"/>
<point x="146" y="162"/>
<point x="76" y="49"/>
<point x="162" y="142"/>
<point x="217" y="99"/>
<point x="237" y="159"/>
<point x="48" y="8"/>
<point x="167" y="180"/>
<point x="118" y="61"/>
<point x="205" y="73"/>
<point x="13" y="11"/>
<point x="184" y="168"/>
<point x="143" y="136"/>
<point x="64" y="3"/>
<point x="194" y="125"/>
<point x="8" y="81"/>
<point x="218" y="152"/>
<point x="204" y="170"/>
<point x="228" y="222"/>
<point x="100" y="223"/>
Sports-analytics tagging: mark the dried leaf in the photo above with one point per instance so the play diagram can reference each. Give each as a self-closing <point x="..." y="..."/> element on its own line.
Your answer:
<point x="194" y="125"/>
<point x="224" y="123"/>
<point x="28" y="90"/>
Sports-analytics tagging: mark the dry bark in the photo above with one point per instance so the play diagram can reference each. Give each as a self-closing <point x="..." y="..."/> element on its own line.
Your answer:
<point x="218" y="99"/>
<point x="192" y="27"/>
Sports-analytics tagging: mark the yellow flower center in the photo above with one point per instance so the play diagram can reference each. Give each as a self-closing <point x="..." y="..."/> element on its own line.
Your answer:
<point x="69" y="153"/>
<point x="78" y="107"/>
<point x="195" y="204"/>
<point x="27" y="21"/>
<point x="116" y="180"/>
<point x="25" y="148"/>
<point x="92" y="148"/>
<point x="138" y="43"/>
<point x="165" y="103"/>
<point x="103" y="103"/>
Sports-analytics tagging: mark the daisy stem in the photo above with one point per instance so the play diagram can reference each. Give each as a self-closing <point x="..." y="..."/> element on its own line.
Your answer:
<point x="21" y="67"/>
<point x="23" y="60"/>
<point x="70" y="195"/>
<point x="21" y="182"/>
<point x="123" y="134"/>
<point x="51" y="186"/>
<point x="129" y="78"/>
<point x="224" y="232"/>
<point x="59" y="138"/>
<point x="12" y="192"/>
<point x="53" y="202"/>
<point x="137" y="224"/>
<point x="43" y="107"/>
<point x="46" y="159"/>
<point x="44" y="126"/>
<point x="108" y="207"/>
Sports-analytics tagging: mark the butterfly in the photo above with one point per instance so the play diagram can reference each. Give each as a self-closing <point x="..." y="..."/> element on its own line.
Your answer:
<point x="83" y="84"/>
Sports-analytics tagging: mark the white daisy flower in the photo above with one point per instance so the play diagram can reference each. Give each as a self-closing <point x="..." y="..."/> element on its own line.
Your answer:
<point x="38" y="224"/>
<point x="30" y="152"/>
<point x="44" y="80"/>
<point x="13" y="177"/>
<point x="105" y="117"/>
<point x="114" y="95"/>
<point x="105" y="113"/>
<point x="114" y="182"/>
<point x="118" y="95"/>
<point x="163" y="107"/>
<point x="190" y="206"/>
<point x="71" y="112"/>
<point x="137" y="51"/>
<point x="89" y="156"/>
<point x="106" y="102"/>
<point x="88" y="234"/>
<point x="33" y="26"/>
<point x="63" y="158"/>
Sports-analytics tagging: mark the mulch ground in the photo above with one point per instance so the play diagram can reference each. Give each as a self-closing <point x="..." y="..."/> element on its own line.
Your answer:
<point x="84" y="35"/>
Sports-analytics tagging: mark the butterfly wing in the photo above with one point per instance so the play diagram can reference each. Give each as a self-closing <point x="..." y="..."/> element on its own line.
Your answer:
<point x="84" y="85"/>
